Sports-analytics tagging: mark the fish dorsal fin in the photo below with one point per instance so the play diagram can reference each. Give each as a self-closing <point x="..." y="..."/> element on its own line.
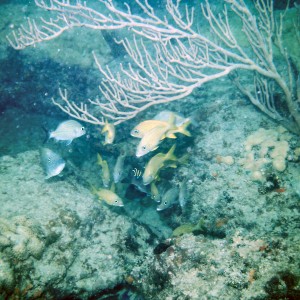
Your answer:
<point x="170" y="155"/>
<point x="113" y="187"/>
<point x="171" y="120"/>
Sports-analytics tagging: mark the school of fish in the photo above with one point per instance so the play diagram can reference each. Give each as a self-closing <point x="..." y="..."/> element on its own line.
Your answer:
<point x="151" y="133"/>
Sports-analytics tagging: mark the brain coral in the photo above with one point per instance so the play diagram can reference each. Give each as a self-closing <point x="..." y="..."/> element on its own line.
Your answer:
<point x="19" y="240"/>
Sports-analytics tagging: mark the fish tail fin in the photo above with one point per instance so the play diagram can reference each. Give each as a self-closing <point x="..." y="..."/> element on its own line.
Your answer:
<point x="48" y="134"/>
<point x="183" y="128"/>
<point x="99" y="159"/>
<point x="93" y="190"/>
<point x="170" y="155"/>
<point x="184" y="158"/>
<point x="113" y="187"/>
<point x="105" y="128"/>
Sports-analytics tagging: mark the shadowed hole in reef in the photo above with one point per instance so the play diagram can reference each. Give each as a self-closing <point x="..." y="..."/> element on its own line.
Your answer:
<point x="283" y="286"/>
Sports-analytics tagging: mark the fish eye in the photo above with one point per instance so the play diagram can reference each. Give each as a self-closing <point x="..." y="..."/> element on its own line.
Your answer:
<point x="82" y="128"/>
<point x="165" y="203"/>
<point x="136" y="131"/>
<point x="116" y="201"/>
<point x="144" y="147"/>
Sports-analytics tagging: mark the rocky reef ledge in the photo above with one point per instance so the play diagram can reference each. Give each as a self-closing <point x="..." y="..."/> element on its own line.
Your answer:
<point x="56" y="240"/>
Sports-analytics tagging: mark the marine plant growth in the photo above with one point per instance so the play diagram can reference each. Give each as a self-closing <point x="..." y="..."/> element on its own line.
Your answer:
<point x="177" y="52"/>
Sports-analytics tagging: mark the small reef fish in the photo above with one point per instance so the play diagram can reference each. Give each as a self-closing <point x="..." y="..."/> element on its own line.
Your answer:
<point x="151" y="139"/>
<point x="105" y="170"/>
<point x="52" y="162"/>
<point x="155" y="194"/>
<point x="166" y="114"/>
<point x="179" y="129"/>
<point x="110" y="197"/>
<point x="180" y="122"/>
<point x="109" y="131"/>
<point x="144" y="127"/>
<point x="156" y="163"/>
<point x="168" y="199"/>
<point x="119" y="167"/>
<point x="67" y="131"/>
<point x="183" y="193"/>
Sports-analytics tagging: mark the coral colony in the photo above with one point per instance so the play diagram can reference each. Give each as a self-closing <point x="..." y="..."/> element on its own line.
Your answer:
<point x="178" y="178"/>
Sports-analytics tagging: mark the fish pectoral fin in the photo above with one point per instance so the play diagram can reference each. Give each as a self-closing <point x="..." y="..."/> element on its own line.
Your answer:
<point x="171" y="136"/>
<point x="68" y="142"/>
<point x="99" y="159"/>
<point x="172" y="166"/>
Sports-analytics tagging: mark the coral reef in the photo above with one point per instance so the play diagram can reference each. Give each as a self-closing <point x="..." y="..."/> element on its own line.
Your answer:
<point x="272" y="147"/>
<point x="19" y="239"/>
<point x="63" y="242"/>
<point x="233" y="238"/>
<point x="195" y="267"/>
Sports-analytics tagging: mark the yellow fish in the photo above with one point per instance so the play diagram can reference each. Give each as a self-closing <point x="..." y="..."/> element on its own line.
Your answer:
<point x="151" y="139"/>
<point x="181" y="123"/>
<point x="105" y="170"/>
<point x="180" y="129"/>
<point x="156" y="163"/>
<point x="144" y="127"/>
<point x="155" y="194"/>
<point x="109" y="197"/>
<point x="109" y="131"/>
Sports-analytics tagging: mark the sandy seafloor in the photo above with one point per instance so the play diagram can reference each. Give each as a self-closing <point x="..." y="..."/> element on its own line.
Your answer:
<point x="235" y="238"/>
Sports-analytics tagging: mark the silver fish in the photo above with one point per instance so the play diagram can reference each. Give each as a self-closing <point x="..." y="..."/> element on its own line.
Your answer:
<point x="52" y="162"/>
<point x="67" y="131"/>
<point x="119" y="168"/>
<point x="183" y="193"/>
<point x="168" y="199"/>
<point x="166" y="114"/>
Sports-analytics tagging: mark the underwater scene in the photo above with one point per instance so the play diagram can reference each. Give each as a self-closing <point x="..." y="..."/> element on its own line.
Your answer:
<point x="150" y="149"/>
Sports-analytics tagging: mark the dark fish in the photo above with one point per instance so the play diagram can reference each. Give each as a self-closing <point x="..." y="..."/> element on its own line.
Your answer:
<point x="162" y="247"/>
